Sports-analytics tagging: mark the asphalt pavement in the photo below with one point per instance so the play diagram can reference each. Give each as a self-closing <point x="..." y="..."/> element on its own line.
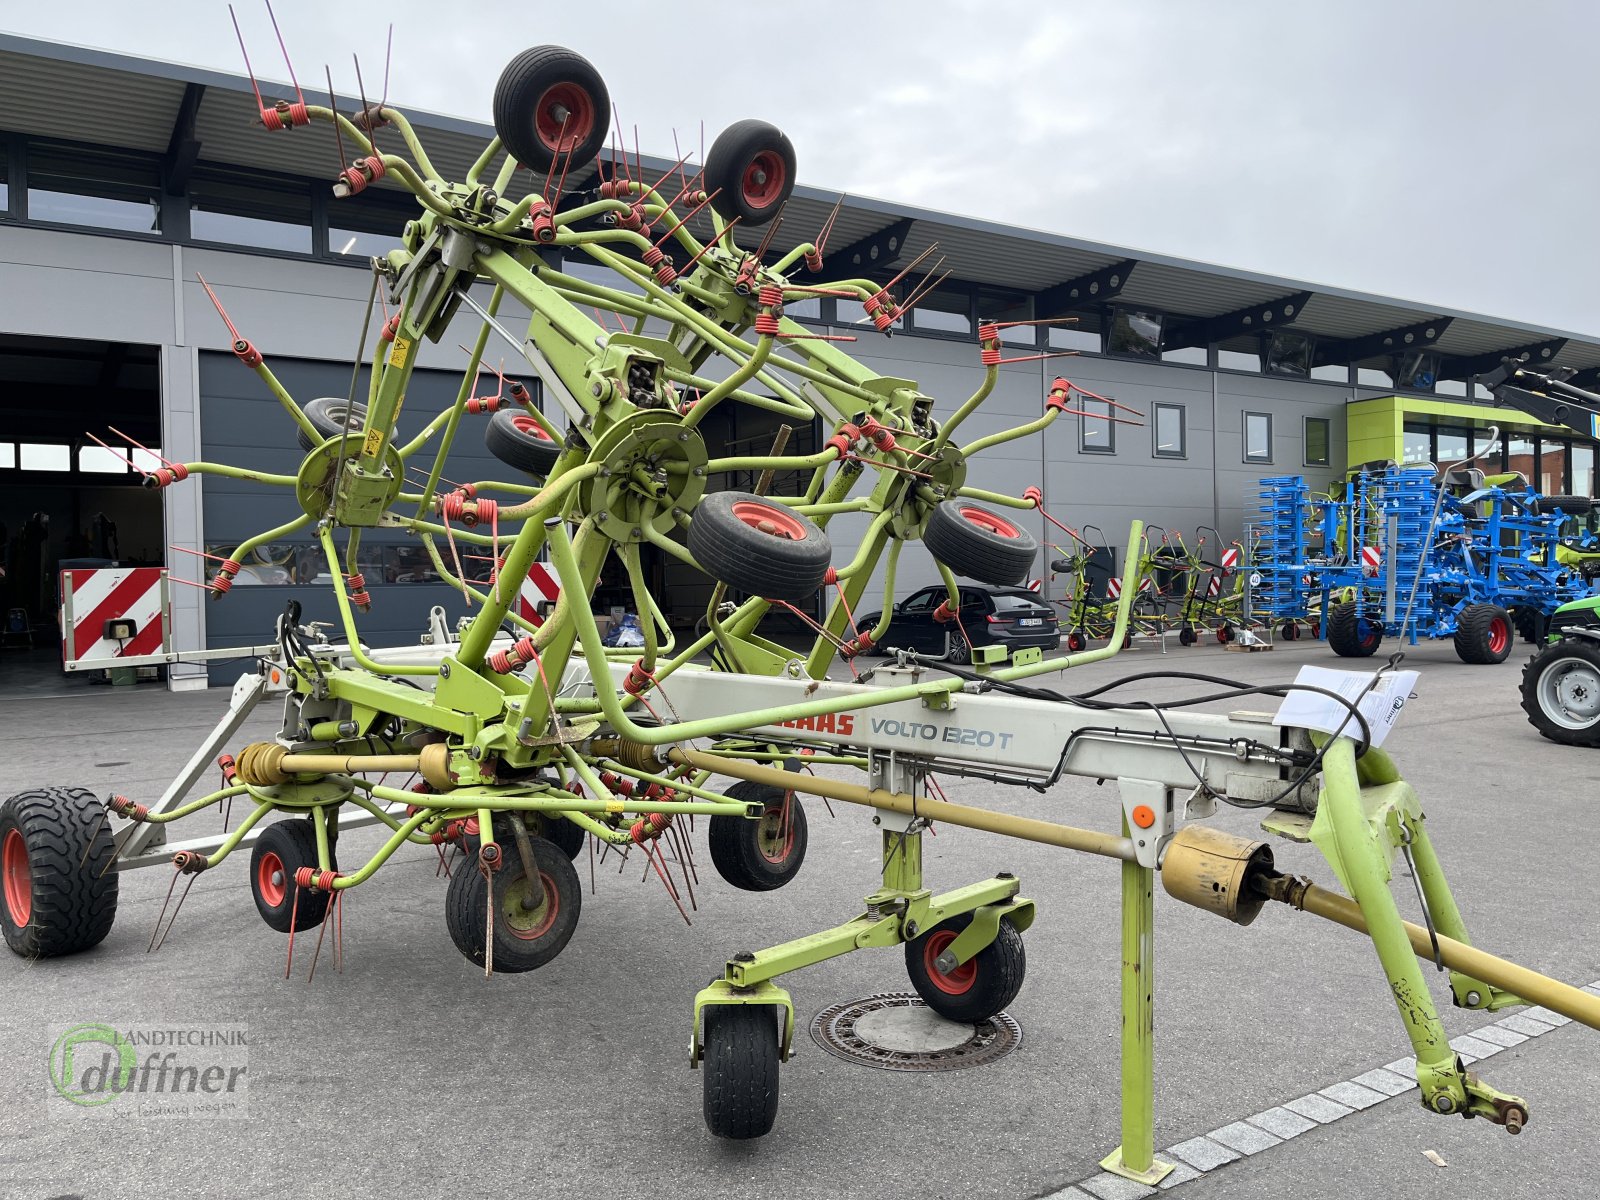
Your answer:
<point x="410" y="1074"/>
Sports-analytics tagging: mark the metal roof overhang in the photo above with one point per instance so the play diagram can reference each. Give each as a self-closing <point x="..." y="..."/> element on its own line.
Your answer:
<point x="54" y="90"/>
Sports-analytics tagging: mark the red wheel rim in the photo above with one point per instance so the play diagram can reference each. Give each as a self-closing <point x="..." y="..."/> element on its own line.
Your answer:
<point x="775" y="832"/>
<point x="769" y="519"/>
<point x="18" y="877"/>
<point x="272" y="881"/>
<point x="536" y="921"/>
<point x="764" y="179"/>
<point x="1499" y="635"/>
<point x="523" y="423"/>
<point x="959" y="981"/>
<point x="987" y="520"/>
<point x="564" y="104"/>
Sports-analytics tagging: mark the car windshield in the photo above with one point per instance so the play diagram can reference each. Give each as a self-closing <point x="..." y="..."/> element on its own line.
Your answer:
<point x="1015" y="602"/>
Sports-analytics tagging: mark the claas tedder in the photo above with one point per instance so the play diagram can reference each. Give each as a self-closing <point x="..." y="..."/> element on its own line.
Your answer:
<point x="530" y="740"/>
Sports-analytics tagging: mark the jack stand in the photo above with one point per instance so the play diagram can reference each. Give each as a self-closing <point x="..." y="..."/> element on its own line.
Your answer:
<point x="1135" y="1159"/>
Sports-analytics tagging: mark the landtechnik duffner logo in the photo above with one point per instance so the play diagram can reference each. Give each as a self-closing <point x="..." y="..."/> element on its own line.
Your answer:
<point x="156" y="1070"/>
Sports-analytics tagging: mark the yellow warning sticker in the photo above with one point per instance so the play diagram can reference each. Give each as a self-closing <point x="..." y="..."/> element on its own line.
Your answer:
<point x="374" y="442"/>
<point x="401" y="351"/>
<point x="614" y="806"/>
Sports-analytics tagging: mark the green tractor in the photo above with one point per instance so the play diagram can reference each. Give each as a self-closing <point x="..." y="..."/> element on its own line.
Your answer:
<point x="1561" y="683"/>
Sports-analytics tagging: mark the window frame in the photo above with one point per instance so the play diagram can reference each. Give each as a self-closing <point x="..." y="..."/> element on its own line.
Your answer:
<point x="1155" y="430"/>
<point x="1083" y="428"/>
<point x="1305" y="442"/>
<point x="1244" y="438"/>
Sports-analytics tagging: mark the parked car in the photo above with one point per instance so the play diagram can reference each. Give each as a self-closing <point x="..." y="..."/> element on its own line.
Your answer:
<point x="1011" y="617"/>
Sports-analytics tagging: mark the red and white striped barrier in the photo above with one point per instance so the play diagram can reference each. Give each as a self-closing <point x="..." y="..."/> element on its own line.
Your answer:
<point x="101" y="604"/>
<point x="541" y="585"/>
<point x="1371" y="560"/>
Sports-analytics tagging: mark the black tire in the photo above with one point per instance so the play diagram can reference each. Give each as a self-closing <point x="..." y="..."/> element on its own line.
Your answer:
<point x="980" y="987"/>
<point x="556" y="830"/>
<point x="750" y="171"/>
<point x="1290" y="631"/>
<point x="1561" y="692"/>
<point x="1484" y="634"/>
<point x="58" y="893"/>
<point x="1076" y="642"/>
<point x="756" y="546"/>
<point x="1186" y="636"/>
<point x="564" y="835"/>
<point x="535" y="89"/>
<point x="763" y="855"/>
<point x="740" y="1069"/>
<point x="281" y="850"/>
<point x="979" y="544"/>
<point x="517" y="440"/>
<point x="1351" y="635"/>
<point x="1225" y="634"/>
<point x="1527" y="622"/>
<point x="331" y="416"/>
<point x="523" y="939"/>
<point x="1573" y="506"/>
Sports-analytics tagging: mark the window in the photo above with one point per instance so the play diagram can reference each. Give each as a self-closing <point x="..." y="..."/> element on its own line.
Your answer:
<point x="1332" y="372"/>
<point x="94" y="188"/>
<point x="367" y="226"/>
<point x="8" y="455"/>
<point x="1135" y="333"/>
<point x="99" y="460"/>
<point x="1553" y="468"/>
<point x="1073" y="337"/>
<point x="1416" y="443"/>
<point x="1582" y="470"/>
<point x="45" y="456"/>
<point x="1451" y="387"/>
<point x="1319" y="432"/>
<point x="250" y="212"/>
<point x="1372" y="377"/>
<point x="1451" y="445"/>
<point x="1097" y="433"/>
<point x="1170" y="422"/>
<point x="1521" y="456"/>
<point x="1239" y="360"/>
<point x="943" y="311"/>
<point x="1257" y="437"/>
<point x="1003" y="307"/>
<point x="1195" y="356"/>
<point x="5" y="181"/>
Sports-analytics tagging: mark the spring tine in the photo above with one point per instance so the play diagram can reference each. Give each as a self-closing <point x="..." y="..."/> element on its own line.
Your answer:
<point x="217" y="304"/>
<point x="388" y="53"/>
<point x="588" y="841"/>
<point x="488" y="924"/>
<point x="273" y="17"/>
<point x="105" y="817"/>
<point x="249" y="70"/>
<point x="827" y="226"/>
<point x="333" y="103"/>
<point x="368" y="116"/>
<point x="322" y="930"/>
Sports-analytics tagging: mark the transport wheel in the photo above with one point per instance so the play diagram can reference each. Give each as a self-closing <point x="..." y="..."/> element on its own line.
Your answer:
<point x="1561" y="692"/>
<point x="1225" y="634"/>
<point x="756" y="546"/>
<point x="1526" y="621"/>
<point x="750" y="171"/>
<point x="979" y="544"/>
<point x="762" y="855"/>
<point x="1186" y="636"/>
<point x="532" y="922"/>
<point x="740" y="1069"/>
<point x="1076" y="642"/>
<point x="564" y="835"/>
<point x="58" y="893"/>
<point x="1289" y="631"/>
<point x="551" y="103"/>
<point x="331" y="416"/>
<point x="1351" y="635"/>
<point x="558" y="831"/>
<point x="1484" y="634"/>
<point x="281" y="850"/>
<point x="519" y="441"/>
<point x="979" y="987"/>
<point x="1572" y="506"/>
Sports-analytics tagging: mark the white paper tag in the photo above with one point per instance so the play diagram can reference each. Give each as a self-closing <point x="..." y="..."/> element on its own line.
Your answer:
<point x="1380" y="696"/>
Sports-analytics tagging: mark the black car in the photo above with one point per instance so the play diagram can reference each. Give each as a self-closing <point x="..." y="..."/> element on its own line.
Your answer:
<point x="1012" y="617"/>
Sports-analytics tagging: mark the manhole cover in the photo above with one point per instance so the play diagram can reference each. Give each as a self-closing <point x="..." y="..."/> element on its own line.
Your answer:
<point x="896" y="1031"/>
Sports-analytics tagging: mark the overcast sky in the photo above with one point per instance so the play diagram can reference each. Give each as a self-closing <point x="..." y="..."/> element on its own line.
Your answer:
<point x="1443" y="151"/>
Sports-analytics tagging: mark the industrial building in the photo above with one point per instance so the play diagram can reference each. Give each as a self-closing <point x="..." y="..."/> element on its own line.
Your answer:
<point x="106" y="226"/>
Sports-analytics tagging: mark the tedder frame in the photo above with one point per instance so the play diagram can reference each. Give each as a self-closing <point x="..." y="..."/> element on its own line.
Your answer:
<point x="529" y="738"/>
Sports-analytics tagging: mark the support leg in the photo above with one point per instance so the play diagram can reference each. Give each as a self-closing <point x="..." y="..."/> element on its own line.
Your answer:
<point x="1135" y="1158"/>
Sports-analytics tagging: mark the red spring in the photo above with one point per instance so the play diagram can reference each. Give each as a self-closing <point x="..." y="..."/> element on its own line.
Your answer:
<point x="874" y="302"/>
<point x="666" y="274"/>
<point x="362" y="599"/>
<point x="544" y="226"/>
<point x="652" y="256"/>
<point x="771" y="296"/>
<point x="483" y="404"/>
<point x="423" y="788"/>
<point x="460" y="506"/>
<point x="190" y="862"/>
<point x="230" y="769"/>
<point x="501" y="663"/>
<point x="355" y="179"/>
<point x="651" y="825"/>
<point x="881" y="437"/>
<point x="125" y="807"/>
<point x="745" y="278"/>
<point x="310" y="877"/>
<point x="989" y="356"/>
<point x="221" y="584"/>
<point x="633" y="221"/>
<point x="942" y="614"/>
<point x="489" y="855"/>
<point x="638" y="678"/>
<point x="860" y="644"/>
<point x="988" y="332"/>
<point x="616" y="783"/>
<point x="612" y="189"/>
<point x="165" y="476"/>
<point x="1035" y="495"/>
<point x="1060" y="394"/>
<point x="813" y="262"/>
<point x="391" y="328"/>
<point x="767" y="324"/>
<point x="273" y="118"/>
<point x="247" y="353"/>
<point x="845" y="440"/>
<point x="830" y="576"/>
